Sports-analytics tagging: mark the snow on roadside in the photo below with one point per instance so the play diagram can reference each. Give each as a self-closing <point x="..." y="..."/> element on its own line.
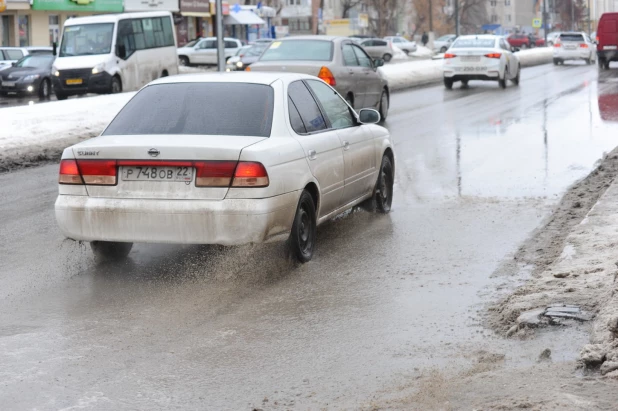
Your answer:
<point x="412" y="74"/>
<point x="423" y="52"/>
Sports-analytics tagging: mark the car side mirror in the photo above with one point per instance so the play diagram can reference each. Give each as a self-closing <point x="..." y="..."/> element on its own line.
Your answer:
<point x="121" y="51"/>
<point x="378" y="63"/>
<point x="368" y="116"/>
<point x="13" y="64"/>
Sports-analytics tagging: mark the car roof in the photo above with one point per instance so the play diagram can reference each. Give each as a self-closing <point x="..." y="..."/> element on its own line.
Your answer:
<point x="313" y="37"/>
<point x="266" y="78"/>
<point x="480" y="36"/>
<point x="112" y="18"/>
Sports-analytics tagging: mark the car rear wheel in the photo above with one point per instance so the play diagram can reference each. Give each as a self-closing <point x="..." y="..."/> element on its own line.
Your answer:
<point x="556" y="62"/>
<point x="61" y="96"/>
<point x="448" y="83"/>
<point x="383" y="105"/>
<point x="443" y="50"/>
<point x="464" y="83"/>
<point x="502" y="81"/>
<point x="517" y="77"/>
<point x="110" y="250"/>
<point x="387" y="57"/>
<point x="383" y="192"/>
<point x="406" y="51"/>
<point x="44" y="89"/>
<point x="183" y="60"/>
<point x="304" y="229"/>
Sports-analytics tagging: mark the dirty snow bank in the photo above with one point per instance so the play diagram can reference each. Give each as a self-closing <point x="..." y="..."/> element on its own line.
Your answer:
<point x="582" y="277"/>
<point x="536" y="56"/>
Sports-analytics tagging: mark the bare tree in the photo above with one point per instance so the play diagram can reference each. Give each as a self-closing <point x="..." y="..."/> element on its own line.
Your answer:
<point x="383" y="19"/>
<point x="347" y="5"/>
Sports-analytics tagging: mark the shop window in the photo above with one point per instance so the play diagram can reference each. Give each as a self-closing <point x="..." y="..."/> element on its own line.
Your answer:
<point x="24" y="30"/>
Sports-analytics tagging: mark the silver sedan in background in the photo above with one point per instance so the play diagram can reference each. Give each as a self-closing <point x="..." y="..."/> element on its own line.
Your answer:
<point x="339" y="61"/>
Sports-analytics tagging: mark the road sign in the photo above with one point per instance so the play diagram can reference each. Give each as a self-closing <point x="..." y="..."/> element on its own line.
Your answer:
<point x="236" y="8"/>
<point x="537" y="23"/>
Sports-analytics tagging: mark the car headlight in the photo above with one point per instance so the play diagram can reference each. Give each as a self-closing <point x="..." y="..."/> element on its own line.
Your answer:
<point x="239" y="64"/>
<point x="55" y="71"/>
<point x="99" y="68"/>
<point x="31" y="78"/>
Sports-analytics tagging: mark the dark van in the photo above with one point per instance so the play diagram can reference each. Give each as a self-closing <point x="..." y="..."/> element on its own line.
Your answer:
<point x="607" y="39"/>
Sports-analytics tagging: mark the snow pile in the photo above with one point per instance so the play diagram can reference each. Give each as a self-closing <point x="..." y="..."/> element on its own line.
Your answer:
<point x="536" y="56"/>
<point x="422" y="52"/>
<point x="414" y="73"/>
<point x="399" y="54"/>
<point x="194" y="70"/>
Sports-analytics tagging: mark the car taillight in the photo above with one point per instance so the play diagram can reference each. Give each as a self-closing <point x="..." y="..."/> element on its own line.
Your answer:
<point x="98" y="172"/>
<point x="69" y="173"/>
<point x="598" y="39"/>
<point x="214" y="173"/>
<point x="493" y="55"/>
<point x="250" y="174"/>
<point x="583" y="45"/>
<point x="557" y="45"/>
<point x="326" y="75"/>
<point x="449" y="56"/>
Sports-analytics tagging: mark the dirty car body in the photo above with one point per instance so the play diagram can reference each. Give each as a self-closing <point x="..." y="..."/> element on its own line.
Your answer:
<point x="177" y="165"/>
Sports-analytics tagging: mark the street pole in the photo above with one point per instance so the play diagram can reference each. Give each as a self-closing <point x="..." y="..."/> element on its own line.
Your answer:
<point x="544" y="20"/>
<point x="572" y="15"/>
<point x="457" y="18"/>
<point x="220" y="50"/>
<point x="589" y="20"/>
<point x="430" y="17"/>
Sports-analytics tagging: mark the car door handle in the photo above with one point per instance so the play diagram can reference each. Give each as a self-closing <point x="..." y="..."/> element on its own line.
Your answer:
<point x="346" y="145"/>
<point x="312" y="155"/>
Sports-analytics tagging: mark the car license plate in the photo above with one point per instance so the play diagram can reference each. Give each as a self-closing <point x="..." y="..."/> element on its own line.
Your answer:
<point x="74" y="81"/>
<point x="138" y="173"/>
<point x="470" y="58"/>
<point x="471" y="69"/>
<point x="8" y="84"/>
<point x="610" y="47"/>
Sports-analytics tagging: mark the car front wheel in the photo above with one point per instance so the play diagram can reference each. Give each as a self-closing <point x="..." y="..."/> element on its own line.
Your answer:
<point x="304" y="229"/>
<point x="44" y="89"/>
<point x="384" y="186"/>
<point x="110" y="250"/>
<point x="387" y="57"/>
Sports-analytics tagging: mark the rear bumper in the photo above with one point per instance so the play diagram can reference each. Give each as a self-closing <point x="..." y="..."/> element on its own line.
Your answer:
<point x="577" y="54"/>
<point x="489" y="69"/>
<point x="226" y="222"/>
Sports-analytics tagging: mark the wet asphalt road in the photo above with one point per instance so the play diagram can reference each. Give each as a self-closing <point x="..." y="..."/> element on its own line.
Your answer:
<point x="385" y="296"/>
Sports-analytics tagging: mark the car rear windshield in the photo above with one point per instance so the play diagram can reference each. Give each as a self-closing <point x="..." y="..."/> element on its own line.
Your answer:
<point x="474" y="43"/>
<point x="572" y="37"/>
<point x="315" y="50"/>
<point x="224" y="109"/>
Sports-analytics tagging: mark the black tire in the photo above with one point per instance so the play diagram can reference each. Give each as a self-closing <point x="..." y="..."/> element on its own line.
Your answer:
<point x="517" y="78"/>
<point x="606" y="65"/>
<point x="443" y="50"/>
<point x="502" y="81"/>
<point x="44" y="89"/>
<point x="61" y="96"/>
<point x="556" y="62"/>
<point x="406" y="51"/>
<point x="448" y="83"/>
<point x="383" y="192"/>
<point x="116" y="85"/>
<point x="464" y="83"/>
<point x="304" y="229"/>
<point x="110" y="251"/>
<point x="383" y="105"/>
<point x="184" y="61"/>
<point x="387" y="57"/>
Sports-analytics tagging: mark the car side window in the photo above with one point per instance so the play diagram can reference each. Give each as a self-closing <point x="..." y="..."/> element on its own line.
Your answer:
<point x="349" y="57"/>
<point x="14" y="54"/>
<point x="307" y="107"/>
<point x="363" y="58"/>
<point x="208" y="44"/>
<point x="380" y="43"/>
<point x="335" y="108"/>
<point x="230" y="44"/>
<point x="295" y="120"/>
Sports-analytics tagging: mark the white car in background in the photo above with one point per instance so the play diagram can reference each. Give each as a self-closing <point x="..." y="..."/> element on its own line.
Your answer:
<point x="442" y="44"/>
<point x="403" y="44"/>
<point x="225" y="159"/>
<point x="482" y="57"/>
<point x="204" y="51"/>
<point x="574" y="46"/>
<point x="10" y="55"/>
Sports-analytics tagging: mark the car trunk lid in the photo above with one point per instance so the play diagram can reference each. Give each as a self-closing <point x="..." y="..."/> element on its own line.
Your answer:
<point x="144" y="163"/>
<point x="304" y="67"/>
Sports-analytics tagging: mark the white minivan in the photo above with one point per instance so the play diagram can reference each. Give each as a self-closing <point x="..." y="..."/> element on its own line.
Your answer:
<point x="114" y="53"/>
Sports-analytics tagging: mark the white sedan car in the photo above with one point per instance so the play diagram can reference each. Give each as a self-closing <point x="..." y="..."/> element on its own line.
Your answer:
<point x="574" y="46"/>
<point x="226" y="159"/>
<point x="482" y="57"/>
<point x="204" y="51"/>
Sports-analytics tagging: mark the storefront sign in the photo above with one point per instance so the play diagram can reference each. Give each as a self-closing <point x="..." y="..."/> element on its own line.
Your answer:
<point x="225" y="6"/>
<point x="79" y="5"/>
<point x="197" y="6"/>
<point x="2" y="5"/>
<point x="150" y="5"/>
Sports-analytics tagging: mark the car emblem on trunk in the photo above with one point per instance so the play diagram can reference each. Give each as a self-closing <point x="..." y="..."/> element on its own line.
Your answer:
<point x="154" y="152"/>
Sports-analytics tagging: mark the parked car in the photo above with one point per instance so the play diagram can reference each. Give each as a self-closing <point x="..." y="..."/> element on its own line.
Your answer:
<point x="480" y="57"/>
<point x="204" y="51"/>
<point x="379" y="49"/>
<point x="245" y="56"/>
<point x="551" y="37"/>
<point x="338" y="61"/>
<point x="299" y="157"/>
<point x="442" y="44"/>
<point x="31" y="76"/>
<point x="573" y="46"/>
<point x="10" y="55"/>
<point x="518" y="40"/>
<point x="261" y="41"/>
<point x="607" y="39"/>
<point x="402" y="43"/>
<point x="536" y="41"/>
